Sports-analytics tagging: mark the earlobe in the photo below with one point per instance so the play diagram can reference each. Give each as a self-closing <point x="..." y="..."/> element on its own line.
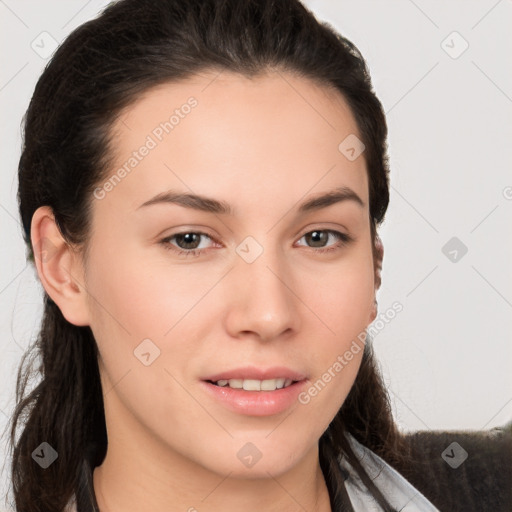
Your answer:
<point x="374" y="310"/>
<point x="59" y="268"/>
<point x="378" y="256"/>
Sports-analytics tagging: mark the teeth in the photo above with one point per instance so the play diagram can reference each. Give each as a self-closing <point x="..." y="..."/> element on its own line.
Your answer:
<point x="256" y="385"/>
<point x="251" y="385"/>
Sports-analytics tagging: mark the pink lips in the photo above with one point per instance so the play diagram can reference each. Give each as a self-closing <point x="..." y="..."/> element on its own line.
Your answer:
<point x="255" y="403"/>
<point x="251" y="372"/>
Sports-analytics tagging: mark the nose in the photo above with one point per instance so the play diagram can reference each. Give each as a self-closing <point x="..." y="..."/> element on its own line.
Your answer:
<point x="263" y="302"/>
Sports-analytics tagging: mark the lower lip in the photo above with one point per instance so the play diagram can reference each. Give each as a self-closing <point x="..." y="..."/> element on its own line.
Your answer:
<point x="256" y="403"/>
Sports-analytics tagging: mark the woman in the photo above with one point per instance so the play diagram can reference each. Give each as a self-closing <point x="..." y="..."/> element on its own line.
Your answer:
<point x="200" y="186"/>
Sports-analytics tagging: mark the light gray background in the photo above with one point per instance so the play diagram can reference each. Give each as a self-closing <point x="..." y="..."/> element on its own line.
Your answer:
<point x="447" y="356"/>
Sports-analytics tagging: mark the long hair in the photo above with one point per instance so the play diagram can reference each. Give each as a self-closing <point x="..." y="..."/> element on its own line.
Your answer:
<point x="102" y="67"/>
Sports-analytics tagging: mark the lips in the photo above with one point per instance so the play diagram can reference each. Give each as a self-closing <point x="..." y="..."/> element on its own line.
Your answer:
<point x="254" y="403"/>
<point x="251" y="372"/>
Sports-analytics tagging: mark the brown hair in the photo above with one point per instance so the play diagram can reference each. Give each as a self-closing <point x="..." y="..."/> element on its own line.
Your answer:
<point x="103" y="66"/>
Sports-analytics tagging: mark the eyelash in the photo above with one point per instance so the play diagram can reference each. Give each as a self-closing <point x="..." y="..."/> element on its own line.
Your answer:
<point x="343" y="238"/>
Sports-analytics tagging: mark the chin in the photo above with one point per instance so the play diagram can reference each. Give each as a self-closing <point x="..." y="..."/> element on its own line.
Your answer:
<point x="253" y="460"/>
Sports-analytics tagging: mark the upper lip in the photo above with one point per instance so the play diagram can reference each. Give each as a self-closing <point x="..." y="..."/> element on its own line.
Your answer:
<point x="251" y="372"/>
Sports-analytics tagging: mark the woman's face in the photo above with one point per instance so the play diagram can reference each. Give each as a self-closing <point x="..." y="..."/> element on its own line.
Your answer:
<point x="259" y="294"/>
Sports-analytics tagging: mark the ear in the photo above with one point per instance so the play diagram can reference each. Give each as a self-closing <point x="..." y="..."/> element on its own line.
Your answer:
<point x="378" y="256"/>
<point x="59" y="267"/>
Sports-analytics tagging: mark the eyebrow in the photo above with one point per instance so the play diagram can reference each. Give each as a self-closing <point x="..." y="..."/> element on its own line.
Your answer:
<point x="210" y="205"/>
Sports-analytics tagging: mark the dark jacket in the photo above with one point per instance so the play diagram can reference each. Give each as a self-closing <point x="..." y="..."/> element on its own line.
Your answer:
<point x="482" y="482"/>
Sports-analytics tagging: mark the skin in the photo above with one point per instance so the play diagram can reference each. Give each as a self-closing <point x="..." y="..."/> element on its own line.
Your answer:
<point x="263" y="145"/>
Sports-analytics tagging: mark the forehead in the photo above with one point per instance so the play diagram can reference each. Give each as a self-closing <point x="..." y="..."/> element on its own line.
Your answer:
<point x="229" y="135"/>
<point x="232" y="98"/>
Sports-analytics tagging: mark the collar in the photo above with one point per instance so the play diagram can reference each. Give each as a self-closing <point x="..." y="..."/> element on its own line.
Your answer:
<point x="401" y="495"/>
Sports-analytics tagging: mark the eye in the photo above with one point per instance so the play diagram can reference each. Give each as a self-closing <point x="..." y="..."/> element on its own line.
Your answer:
<point x="321" y="235"/>
<point x="187" y="239"/>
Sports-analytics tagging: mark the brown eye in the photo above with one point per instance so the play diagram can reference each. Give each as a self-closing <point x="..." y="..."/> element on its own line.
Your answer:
<point x="187" y="242"/>
<point x="319" y="237"/>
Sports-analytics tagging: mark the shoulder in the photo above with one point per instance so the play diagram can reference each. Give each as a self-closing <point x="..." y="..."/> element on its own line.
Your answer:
<point x="463" y="470"/>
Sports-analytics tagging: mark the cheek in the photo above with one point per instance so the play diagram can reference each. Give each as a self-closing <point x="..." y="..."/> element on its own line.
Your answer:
<point x="342" y="297"/>
<point x="341" y="304"/>
<point x="339" y="338"/>
<point x="133" y="307"/>
<point x="142" y="299"/>
<point x="132" y="302"/>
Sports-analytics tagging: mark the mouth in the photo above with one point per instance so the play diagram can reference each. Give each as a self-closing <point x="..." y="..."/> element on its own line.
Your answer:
<point x="254" y="384"/>
<point x="252" y="397"/>
<point x="255" y="391"/>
